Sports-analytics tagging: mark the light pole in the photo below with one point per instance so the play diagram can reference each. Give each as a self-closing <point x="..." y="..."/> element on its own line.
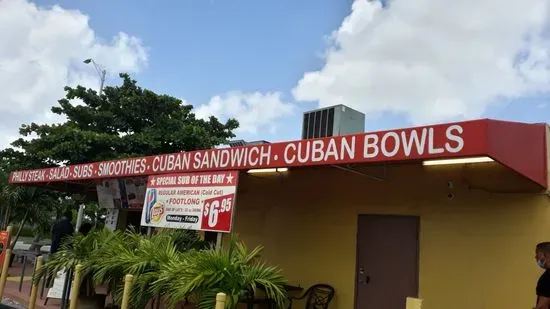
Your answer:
<point x="100" y="71"/>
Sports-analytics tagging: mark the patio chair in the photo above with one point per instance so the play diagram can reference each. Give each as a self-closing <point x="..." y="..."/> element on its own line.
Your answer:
<point x="317" y="296"/>
<point x="248" y="298"/>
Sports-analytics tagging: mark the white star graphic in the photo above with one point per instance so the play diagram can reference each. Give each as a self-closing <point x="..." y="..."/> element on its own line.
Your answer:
<point x="229" y="178"/>
<point x="153" y="180"/>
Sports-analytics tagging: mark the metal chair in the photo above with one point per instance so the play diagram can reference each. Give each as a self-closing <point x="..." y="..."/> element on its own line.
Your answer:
<point x="251" y="302"/>
<point x="317" y="296"/>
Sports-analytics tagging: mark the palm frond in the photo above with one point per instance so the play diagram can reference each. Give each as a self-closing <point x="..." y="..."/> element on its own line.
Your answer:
<point x="232" y="270"/>
<point x="171" y="264"/>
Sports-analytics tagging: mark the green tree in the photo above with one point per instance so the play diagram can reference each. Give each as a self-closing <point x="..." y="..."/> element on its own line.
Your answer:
<point x="123" y="121"/>
<point x="25" y="205"/>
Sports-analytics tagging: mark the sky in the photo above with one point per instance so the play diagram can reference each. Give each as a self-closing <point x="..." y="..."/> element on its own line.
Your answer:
<point x="401" y="62"/>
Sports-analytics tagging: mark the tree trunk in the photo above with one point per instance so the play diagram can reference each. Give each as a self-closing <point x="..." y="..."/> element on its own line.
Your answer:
<point x="35" y="246"/>
<point x="6" y="216"/>
<point x="21" y="225"/>
<point x="2" y="210"/>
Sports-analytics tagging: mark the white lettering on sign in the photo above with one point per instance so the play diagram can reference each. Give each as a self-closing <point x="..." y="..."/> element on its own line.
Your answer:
<point x="432" y="149"/>
<point x="237" y="157"/>
<point x="415" y="143"/>
<point x="60" y="173"/>
<point x="392" y="151"/>
<point x="171" y="162"/>
<point x="420" y="140"/>
<point x="83" y="171"/>
<point x="166" y="180"/>
<point x="122" y="167"/>
<point x="453" y="134"/>
<point x="29" y="176"/>
<point x="320" y="150"/>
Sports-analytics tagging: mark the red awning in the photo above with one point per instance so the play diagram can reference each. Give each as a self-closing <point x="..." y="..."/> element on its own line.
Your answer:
<point x="519" y="146"/>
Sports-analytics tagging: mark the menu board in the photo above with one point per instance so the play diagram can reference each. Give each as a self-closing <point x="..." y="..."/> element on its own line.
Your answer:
<point x="134" y="189"/>
<point x="108" y="194"/>
<point x="126" y="193"/>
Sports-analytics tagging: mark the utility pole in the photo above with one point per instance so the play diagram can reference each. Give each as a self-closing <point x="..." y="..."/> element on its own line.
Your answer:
<point x="100" y="71"/>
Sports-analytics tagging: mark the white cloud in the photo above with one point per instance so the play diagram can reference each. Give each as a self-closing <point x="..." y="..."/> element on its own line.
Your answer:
<point x="41" y="51"/>
<point x="434" y="60"/>
<point x="254" y="111"/>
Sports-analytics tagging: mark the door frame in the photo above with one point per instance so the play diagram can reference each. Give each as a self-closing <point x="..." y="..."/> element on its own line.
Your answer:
<point x="356" y="277"/>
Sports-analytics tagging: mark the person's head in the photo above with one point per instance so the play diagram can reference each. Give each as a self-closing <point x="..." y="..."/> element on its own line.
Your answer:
<point x="68" y="214"/>
<point x="85" y="228"/>
<point x="542" y="254"/>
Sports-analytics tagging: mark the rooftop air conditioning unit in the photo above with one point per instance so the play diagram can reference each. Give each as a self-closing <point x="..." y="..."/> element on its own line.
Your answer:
<point x="240" y="142"/>
<point x="237" y="143"/>
<point x="332" y="121"/>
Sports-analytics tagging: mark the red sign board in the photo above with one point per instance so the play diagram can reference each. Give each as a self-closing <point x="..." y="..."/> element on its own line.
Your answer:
<point x="438" y="141"/>
<point x="217" y="213"/>
<point x="194" y="201"/>
<point x="4" y="239"/>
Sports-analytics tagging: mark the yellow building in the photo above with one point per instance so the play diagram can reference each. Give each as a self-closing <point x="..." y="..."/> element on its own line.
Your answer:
<point x="475" y="243"/>
<point x="458" y="236"/>
<point x="389" y="220"/>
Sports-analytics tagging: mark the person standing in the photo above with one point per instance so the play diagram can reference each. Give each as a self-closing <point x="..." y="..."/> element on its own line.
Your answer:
<point x="542" y="256"/>
<point x="60" y="230"/>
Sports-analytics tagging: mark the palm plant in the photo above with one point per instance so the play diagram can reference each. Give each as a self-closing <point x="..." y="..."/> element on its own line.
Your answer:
<point x="35" y="208"/>
<point x="141" y="256"/>
<point x="173" y="264"/>
<point x="76" y="250"/>
<point x="200" y="275"/>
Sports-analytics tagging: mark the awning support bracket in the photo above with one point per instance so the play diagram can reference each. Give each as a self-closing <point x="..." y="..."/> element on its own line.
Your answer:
<point x="349" y="168"/>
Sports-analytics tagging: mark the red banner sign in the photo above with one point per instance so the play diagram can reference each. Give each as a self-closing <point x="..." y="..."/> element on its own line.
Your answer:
<point x="439" y="141"/>
<point x="197" y="201"/>
<point x="4" y="239"/>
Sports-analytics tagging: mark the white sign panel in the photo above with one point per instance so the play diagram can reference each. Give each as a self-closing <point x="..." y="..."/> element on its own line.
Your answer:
<point x="193" y="201"/>
<point x="56" y="291"/>
<point x="108" y="194"/>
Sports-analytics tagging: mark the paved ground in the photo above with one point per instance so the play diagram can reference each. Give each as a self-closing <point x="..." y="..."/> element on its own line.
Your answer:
<point x="12" y="294"/>
<point x="12" y="304"/>
<point x="19" y="300"/>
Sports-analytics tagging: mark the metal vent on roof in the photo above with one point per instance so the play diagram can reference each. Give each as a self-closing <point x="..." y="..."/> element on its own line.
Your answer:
<point x="237" y="143"/>
<point x="258" y="142"/>
<point x="240" y="142"/>
<point x="332" y="121"/>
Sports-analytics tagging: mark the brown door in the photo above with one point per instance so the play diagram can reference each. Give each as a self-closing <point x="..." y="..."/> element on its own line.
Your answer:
<point x="387" y="261"/>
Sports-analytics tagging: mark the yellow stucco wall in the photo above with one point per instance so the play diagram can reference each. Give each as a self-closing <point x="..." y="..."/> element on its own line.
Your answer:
<point x="476" y="250"/>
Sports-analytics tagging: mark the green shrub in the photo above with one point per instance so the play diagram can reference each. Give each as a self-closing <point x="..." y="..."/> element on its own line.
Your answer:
<point x="173" y="264"/>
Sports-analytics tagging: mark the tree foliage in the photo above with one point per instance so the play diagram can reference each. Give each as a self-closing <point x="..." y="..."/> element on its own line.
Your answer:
<point x="123" y="121"/>
<point x="13" y="160"/>
<point x="27" y="206"/>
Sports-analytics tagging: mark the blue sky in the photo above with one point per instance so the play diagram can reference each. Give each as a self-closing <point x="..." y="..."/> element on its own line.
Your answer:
<point x="199" y="49"/>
